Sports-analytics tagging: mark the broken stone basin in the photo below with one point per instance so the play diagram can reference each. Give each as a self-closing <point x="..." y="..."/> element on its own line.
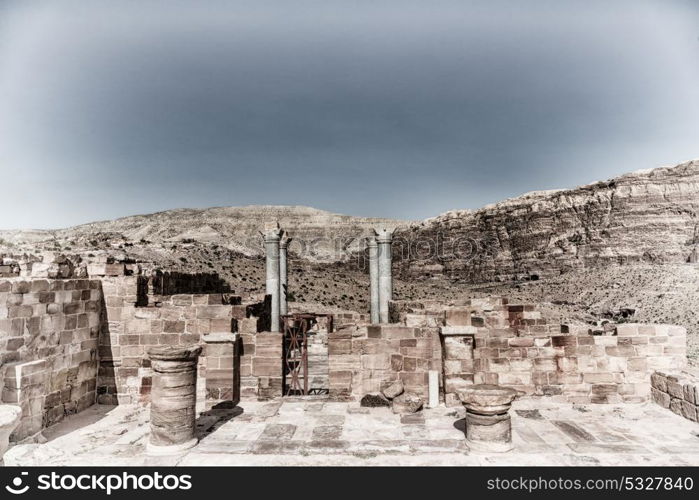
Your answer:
<point x="9" y="420"/>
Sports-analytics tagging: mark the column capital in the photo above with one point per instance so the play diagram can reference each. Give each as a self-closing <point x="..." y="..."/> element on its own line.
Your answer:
<point x="284" y="240"/>
<point x="383" y="235"/>
<point x="271" y="232"/>
<point x="371" y="241"/>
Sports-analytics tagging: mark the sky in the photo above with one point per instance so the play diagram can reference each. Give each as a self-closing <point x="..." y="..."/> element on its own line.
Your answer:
<point x="386" y="108"/>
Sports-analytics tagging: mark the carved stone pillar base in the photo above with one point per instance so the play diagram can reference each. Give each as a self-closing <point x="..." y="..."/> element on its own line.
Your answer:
<point x="173" y="398"/>
<point x="488" y="424"/>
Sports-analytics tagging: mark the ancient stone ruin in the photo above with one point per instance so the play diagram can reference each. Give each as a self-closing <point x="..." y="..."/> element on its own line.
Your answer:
<point x="190" y="351"/>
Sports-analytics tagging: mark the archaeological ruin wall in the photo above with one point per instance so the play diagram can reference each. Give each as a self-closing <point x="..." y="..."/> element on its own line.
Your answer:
<point x="367" y="359"/>
<point x="49" y="330"/>
<point x="67" y="342"/>
<point x="490" y="341"/>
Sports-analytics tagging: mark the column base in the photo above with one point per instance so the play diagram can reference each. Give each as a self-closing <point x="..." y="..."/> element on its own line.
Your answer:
<point x="172" y="449"/>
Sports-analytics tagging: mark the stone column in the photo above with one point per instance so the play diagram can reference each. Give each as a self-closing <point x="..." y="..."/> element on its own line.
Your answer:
<point x="374" y="279"/>
<point x="384" y="238"/>
<point x="173" y="398"/>
<point x="283" y="283"/>
<point x="272" y="236"/>
<point x="488" y="423"/>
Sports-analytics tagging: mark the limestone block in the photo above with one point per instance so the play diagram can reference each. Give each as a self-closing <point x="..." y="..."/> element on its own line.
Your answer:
<point x="689" y="411"/>
<point x="675" y="388"/>
<point x="660" y="397"/>
<point x="407" y="402"/>
<point x="458" y="347"/>
<point x="394" y="390"/>
<point x="457" y="317"/>
<point x="458" y="330"/>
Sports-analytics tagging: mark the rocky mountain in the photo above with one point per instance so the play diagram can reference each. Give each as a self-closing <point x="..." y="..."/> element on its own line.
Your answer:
<point x="646" y="216"/>
<point x="584" y="254"/>
<point x="319" y="235"/>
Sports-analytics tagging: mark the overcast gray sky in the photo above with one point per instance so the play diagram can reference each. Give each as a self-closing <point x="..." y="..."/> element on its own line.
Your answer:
<point x="378" y="108"/>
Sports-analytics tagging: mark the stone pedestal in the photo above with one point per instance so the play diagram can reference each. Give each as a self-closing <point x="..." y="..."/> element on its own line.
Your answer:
<point x="9" y="420"/>
<point x="488" y="424"/>
<point x="173" y="398"/>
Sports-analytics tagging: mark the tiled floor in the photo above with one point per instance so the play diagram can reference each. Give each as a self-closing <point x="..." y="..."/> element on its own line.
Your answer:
<point x="316" y="432"/>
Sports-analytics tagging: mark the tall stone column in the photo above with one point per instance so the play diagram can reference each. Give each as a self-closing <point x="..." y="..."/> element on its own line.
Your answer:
<point x="272" y="236"/>
<point x="283" y="273"/>
<point x="374" y="279"/>
<point x="173" y="398"/>
<point x="384" y="237"/>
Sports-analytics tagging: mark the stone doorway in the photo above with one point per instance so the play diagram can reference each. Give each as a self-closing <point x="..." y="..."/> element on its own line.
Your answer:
<point x="305" y="354"/>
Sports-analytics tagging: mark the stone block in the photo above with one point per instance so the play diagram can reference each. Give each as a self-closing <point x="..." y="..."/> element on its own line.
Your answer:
<point x="458" y="330"/>
<point x="266" y="366"/>
<point x="689" y="411"/>
<point x="380" y="361"/>
<point x="675" y="388"/>
<point x="661" y="398"/>
<point x="690" y="391"/>
<point x="457" y="317"/>
<point x="627" y="330"/>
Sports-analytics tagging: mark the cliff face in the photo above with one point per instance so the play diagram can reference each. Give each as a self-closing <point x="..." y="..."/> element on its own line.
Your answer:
<point x="645" y="216"/>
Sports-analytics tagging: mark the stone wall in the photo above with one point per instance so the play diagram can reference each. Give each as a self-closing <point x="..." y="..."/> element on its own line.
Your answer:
<point x="173" y="283"/>
<point x="491" y="341"/>
<point x="137" y="320"/>
<point x="679" y="393"/>
<point x="368" y="359"/>
<point x="260" y="364"/>
<point x="49" y="332"/>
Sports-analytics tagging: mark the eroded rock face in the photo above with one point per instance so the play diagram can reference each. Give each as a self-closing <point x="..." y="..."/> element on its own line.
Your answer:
<point x="644" y="216"/>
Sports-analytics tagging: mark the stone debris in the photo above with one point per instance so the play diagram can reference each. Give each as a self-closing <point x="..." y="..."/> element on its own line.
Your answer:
<point x="407" y="403"/>
<point x="394" y="390"/>
<point x="374" y="401"/>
